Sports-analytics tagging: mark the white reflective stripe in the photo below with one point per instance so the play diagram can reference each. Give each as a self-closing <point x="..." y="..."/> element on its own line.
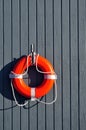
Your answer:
<point x="47" y="76"/>
<point x="19" y="76"/>
<point x="33" y="94"/>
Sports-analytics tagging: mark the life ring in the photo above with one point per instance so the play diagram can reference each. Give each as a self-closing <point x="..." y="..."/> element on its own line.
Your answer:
<point x="22" y="87"/>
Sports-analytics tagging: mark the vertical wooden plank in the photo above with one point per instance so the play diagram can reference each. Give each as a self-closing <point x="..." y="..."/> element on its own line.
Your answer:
<point x="66" y="67"/>
<point x="24" y="51"/>
<point x="16" y="54"/>
<point x="74" y="65"/>
<point x="57" y="63"/>
<point x="24" y="27"/>
<point x="41" y="50"/>
<point x="7" y="59"/>
<point x="40" y="26"/>
<point x="49" y="56"/>
<point x="82" y="63"/>
<point x="1" y="64"/>
<point x="15" y="26"/>
<point x="32" y="39"/>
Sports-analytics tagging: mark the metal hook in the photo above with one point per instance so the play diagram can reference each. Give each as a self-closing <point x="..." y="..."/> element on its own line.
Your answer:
<point x="31" y="47"/>
<point x="33" y="54"/>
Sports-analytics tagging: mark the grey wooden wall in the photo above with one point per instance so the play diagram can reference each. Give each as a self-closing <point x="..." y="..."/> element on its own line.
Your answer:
<point x="58" y="30"/>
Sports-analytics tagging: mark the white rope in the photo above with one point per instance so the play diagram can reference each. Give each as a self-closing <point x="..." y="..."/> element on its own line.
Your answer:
<point x="35" y="99"/>
<point x="18" y="75"/>
<point x="48" y="103"/>
<point x="20" y="105"/>
<point x="14" y="75"/>
<point x="40" y="70"/>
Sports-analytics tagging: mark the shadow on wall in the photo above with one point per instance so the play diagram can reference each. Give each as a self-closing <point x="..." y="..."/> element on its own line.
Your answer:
<point x="5" y="86"/>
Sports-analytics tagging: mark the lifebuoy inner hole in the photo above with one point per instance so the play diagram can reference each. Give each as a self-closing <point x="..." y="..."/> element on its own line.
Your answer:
<point x="34" y="78"/>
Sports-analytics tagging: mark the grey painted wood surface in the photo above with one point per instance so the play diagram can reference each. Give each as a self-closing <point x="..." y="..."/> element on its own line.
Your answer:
<point x="57" y="28"/>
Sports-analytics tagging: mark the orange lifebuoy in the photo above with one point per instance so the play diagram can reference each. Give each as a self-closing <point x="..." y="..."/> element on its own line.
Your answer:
<point x="40" y="90"/>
